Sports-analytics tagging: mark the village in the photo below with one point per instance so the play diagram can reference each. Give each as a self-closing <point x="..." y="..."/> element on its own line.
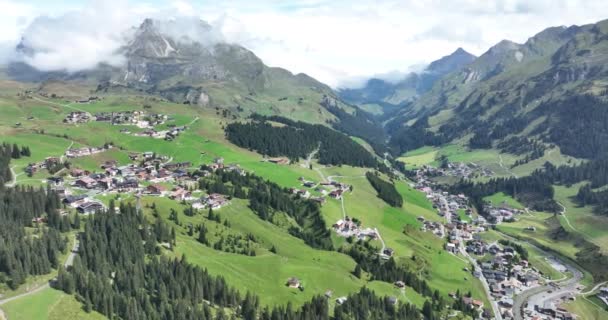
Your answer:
<point x="501" y="268"/>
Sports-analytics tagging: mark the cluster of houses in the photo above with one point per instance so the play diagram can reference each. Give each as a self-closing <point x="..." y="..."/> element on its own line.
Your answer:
<point x="87" y="100"/>
<point x="352" y="228"/>
<point x="77" y="117"/>
<point x="168" y="135"/>
<point x="136" y="118"/>
<point x="457" y="169"/>
<point x="505" y="275"/>
<point x="48" y="162"/>
<point x="502" y="214"/>
<point x="213" y="201"/>
<point x="550" y="311"/>
<point x="86" y="151"/>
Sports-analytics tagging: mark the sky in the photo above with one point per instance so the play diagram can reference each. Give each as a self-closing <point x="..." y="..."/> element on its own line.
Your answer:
<point x="339" y="42"/>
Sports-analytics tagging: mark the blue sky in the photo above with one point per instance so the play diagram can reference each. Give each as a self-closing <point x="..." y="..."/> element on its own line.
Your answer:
<point x="339" y="42"/>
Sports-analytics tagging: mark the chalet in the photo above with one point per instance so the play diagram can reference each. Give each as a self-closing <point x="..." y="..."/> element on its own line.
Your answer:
<point x="178" y="165"/>
<point x="180" y="194"/>
<point x="89" y="207"/>
<point x="450" y="247"/>
<point x="320" y="200"/>
<point x="51" y="161"/>
<point x="77" y="173"/>
<point x="156" y="189"/>
<point x="127" y="185"/>
<point x="341" y="300"/>
<point x="109" y="164"/>
<point x="399" y="284"/>
<point x="336" y="194"/>
<point x="105" y="183"/>
<point x="293" y="282"/>
<point x="55" y="180"/>
<point x="73" y="199"/>
<point x="214" y="201"/>
<point x="85" y="182"/>
<point x="388" y="252"/>
<point x="281" y="160"/>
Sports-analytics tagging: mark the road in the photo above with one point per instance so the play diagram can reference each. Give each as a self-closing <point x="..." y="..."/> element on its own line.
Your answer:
<point x="68" y="262"/>
<point x="540" y="295"/>
<point x="486" y="288"/>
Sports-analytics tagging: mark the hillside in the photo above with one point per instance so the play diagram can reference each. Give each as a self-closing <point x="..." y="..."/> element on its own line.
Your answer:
<point x="552" y="89"/>
<point x="388" y="95"/>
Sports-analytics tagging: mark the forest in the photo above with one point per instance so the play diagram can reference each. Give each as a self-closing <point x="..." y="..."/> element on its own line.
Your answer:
<point x="386" y="190"/>
<point x="120" y="271"/>
<point x="296" y="140"/>
<point x="24" y="253"/>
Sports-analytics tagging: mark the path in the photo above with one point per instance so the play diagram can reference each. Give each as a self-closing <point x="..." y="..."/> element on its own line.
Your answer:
<point x="563" y="213"/>
<point x="381" y="241"/>
<point x="306" y="163"/>
<point x="193" y="121"/>
<point x="14" y="178"/>
<point x="59" y="104"/>
<point x="597" y="286"/>
<point x="68" y="148"/>
<point x="68" y="262"/>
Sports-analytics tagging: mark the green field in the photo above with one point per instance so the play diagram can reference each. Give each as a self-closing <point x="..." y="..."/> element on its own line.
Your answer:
<point x="500" y="198"/>
<point x="48" y="304"/>
<point x="582" y="221"/>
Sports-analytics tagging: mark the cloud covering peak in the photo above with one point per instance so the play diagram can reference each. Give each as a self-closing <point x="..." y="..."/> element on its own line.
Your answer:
<point x="336" y="41"/>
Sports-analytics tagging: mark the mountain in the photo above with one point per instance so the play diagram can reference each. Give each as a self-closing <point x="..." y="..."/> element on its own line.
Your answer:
<point x="553" y="89"/>
<point x="386" y="94"/>
<point x="196" y="67"/>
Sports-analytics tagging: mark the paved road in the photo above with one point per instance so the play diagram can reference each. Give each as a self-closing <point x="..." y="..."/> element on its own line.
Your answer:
<point x="486" y="288"/>
<point x="540" y="295"/>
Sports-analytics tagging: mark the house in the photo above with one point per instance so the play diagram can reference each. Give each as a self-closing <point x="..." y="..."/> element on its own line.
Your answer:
<point x="399" y="284"/>
<point x="85" y="182"/>
<point x="388" y="251"/>
<point x="89" y="207"/>
<point x="77" y="173"/>
<point x="341" y="300"/>
<point x="105" y="183"/>
<point x="156" y="189"/>
<point x="55" y="180"/>
<point x="73" y="199"/>
<point x="280" y="160"/>
<point x="180" y="194"/>
<point x="336" y="194"/>
<point x="293" y="282"/>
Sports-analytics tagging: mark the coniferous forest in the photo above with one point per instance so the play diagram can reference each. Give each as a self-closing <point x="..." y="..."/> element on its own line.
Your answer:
<point x="296" y="140"/>
<point x="386" y="190"/>
<point x="21" y="253"/>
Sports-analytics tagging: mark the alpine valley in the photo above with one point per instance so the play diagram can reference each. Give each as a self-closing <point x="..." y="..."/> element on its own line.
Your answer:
<point x="192" y="181"/>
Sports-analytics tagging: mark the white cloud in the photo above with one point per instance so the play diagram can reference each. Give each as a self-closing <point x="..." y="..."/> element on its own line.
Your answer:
<point x="335" y="41"/>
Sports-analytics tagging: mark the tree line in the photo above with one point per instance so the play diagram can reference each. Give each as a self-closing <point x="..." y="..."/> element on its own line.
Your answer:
<point x="297" y="140"/>
<point x="386" y="190"/>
